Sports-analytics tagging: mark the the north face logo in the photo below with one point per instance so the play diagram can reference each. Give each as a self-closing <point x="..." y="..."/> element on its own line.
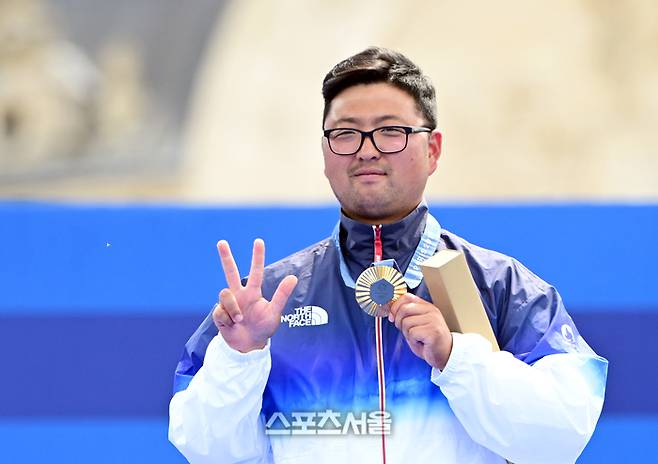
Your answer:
<point x="306" y="315"/>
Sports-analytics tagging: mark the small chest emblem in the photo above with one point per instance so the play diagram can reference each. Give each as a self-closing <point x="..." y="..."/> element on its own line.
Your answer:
<point x="305" y="316"/>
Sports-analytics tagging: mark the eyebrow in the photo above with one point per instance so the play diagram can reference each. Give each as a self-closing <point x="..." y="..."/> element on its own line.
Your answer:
<point x="377" y="120"/>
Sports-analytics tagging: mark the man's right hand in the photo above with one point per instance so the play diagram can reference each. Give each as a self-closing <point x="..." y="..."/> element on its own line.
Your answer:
<point x="245" y="319"/>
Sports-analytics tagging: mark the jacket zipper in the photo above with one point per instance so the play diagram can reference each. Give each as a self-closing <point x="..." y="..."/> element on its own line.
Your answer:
<point x="378" y="256"/>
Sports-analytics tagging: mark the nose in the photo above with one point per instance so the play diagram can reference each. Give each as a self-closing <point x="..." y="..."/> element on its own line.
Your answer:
<point x="368" y="150"/>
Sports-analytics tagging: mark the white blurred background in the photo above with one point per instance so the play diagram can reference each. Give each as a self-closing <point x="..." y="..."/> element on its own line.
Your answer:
<point x="219" y="101"/>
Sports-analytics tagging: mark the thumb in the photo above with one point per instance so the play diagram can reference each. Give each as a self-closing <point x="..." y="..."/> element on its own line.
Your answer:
<point x="282" y="293"/>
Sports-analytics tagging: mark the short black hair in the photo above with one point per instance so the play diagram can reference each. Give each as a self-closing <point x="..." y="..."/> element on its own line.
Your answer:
<point x="376" y="64"/>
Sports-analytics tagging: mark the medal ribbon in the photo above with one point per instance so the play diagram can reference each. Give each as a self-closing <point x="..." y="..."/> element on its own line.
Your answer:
<point x="378" y="243"/>
<point x="377" y="257"/>
<point x="426" y="248"/>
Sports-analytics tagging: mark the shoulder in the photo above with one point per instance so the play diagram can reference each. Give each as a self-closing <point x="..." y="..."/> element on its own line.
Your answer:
<point x="300" y="260"/>
<point x="476" y="253"/>
<point x="487" y="266"/>
<point x="491" y="268"/>
<point x="300" y="264"/>
<point x="521" y="306"/>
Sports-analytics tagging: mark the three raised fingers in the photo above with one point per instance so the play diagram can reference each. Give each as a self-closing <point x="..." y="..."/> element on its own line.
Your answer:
<point x="229" y="311"/>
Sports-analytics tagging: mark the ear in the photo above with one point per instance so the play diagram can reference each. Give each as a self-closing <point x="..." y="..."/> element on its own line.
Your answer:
<point x="434" y="149"/>
<point x="324" y="146"/>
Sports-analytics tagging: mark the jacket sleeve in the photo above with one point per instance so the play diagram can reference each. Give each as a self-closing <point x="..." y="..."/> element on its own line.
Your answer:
<point x="217" y="417"/>
<point x="539" y="399"/>
<point x="544" y="413"/>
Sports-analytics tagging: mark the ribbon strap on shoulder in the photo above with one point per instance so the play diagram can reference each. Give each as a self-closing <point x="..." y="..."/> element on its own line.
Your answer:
<point x="425" y="249"/>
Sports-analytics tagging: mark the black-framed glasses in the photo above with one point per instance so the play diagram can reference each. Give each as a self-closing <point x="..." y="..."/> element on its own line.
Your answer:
<point x="387" y="139"/>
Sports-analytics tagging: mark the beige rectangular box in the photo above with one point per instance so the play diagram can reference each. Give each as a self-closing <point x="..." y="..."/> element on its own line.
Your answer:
<point x="454" y="292"/>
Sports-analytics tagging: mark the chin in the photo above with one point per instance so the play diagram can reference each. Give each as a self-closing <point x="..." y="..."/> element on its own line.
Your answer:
<point x="377" y="212"/>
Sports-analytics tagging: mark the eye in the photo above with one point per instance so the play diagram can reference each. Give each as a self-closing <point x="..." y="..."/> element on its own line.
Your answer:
<point x="391" y="131"/>
<point x="343" y="134"/>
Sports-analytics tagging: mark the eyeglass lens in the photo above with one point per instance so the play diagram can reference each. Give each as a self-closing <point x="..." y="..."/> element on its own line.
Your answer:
<point x="385" y="139"/>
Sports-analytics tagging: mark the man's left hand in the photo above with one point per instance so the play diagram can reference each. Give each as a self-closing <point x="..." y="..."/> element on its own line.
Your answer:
<point x="424" y="328"/>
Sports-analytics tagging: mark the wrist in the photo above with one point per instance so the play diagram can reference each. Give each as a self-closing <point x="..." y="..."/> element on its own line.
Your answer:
<point x="230" y="354"/>
<point x="443" y="354"/>
<point x="252" y="347"/>
<point x="246" y="346"/>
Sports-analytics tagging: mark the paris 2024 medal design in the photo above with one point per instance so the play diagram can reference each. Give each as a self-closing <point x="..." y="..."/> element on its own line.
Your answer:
<point x="377" y="287"/>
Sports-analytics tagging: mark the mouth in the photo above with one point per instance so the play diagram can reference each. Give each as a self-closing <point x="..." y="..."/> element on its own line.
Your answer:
<point x="369" y="173"/>
<point x="369" y="176"/>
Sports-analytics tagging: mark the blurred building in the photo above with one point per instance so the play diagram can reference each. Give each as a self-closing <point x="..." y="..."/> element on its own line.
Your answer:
<point x="93" y="95"/>
<point x="541" y="101"/>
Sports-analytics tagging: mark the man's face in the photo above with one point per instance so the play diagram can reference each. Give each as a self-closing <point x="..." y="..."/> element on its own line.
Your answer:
<point x="370" y="186"/>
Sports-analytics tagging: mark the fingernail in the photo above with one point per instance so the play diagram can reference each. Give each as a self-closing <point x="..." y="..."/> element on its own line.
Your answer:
<point x="238" y="318"/>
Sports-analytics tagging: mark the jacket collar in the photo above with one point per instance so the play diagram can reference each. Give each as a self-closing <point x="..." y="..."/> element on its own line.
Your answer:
<point x="399" y="240"/>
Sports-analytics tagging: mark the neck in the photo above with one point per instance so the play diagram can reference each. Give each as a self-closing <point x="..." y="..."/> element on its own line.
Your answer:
<point x="399" y="239"/>
<point x="377" y="220"/>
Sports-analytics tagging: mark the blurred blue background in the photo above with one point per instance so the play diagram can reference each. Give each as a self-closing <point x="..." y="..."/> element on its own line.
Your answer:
<point x="96" y="303"/>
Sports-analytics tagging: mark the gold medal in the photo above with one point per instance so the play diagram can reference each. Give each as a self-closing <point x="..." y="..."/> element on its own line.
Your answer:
<point x="377" y="287"/>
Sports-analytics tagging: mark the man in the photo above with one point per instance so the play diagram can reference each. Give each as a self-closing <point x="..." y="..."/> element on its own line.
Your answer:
<point x="289" y="352"/>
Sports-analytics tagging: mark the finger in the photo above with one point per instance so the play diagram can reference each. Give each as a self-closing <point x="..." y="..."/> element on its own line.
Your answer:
<point x="411" y="322"/>
<point x="395" y="307"/>
<point x="409" y="309"/>
<point x="221" y="318"/>
<point x="282" y="293"/>
<point x="228" y="264"/>
<point x="257" y="264"/>
<point x="230" y="305"/>
<point x="417" y="334"/>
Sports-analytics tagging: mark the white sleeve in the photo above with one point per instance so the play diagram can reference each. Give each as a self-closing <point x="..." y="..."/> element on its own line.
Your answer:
<point x="217" y="418"/>
<point x="544" y="413"/>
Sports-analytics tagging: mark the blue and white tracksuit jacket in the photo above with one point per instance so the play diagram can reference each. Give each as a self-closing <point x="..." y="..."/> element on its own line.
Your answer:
<point x="316" y="392"/>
